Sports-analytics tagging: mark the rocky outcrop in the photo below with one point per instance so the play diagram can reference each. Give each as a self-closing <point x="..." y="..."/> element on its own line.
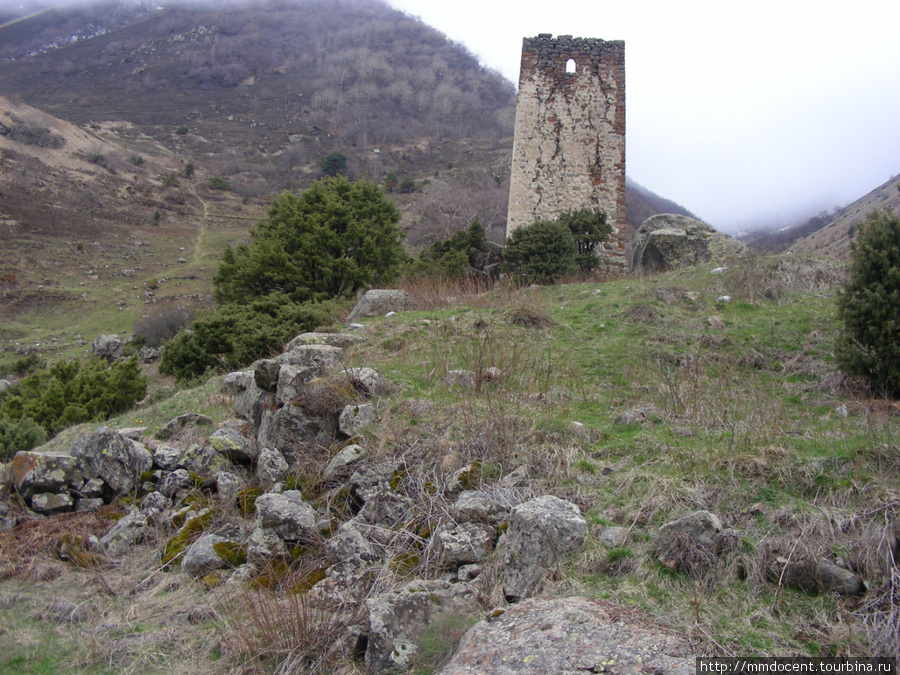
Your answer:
<point x="667" y="241"/>
<point x="567" y="636"/>
<point x="379" y="302"/>
<point x="542" y="532"/>
<point x="309" y="481"/>
<point x="107" y="347"/>
<point x="287" y="515"/>
<point x="398" y="620"/>
<point x="116" y="460"/>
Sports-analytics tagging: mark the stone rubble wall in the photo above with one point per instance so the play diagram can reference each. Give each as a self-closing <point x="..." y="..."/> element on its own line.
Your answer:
<point x="569" y="147"/>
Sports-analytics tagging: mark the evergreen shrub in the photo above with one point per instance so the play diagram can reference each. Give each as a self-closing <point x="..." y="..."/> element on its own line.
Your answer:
<point x="450" y="258"/>
<point x="71" y="392"/>
<point x="22" y="434"/>
<point x="334" y="239"/>
<point x="869" y="305"/>
<point x="233" y="335"/>
<point x="541" y="252"/>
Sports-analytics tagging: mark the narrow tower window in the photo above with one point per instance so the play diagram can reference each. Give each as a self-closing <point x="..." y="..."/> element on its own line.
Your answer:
<point x="570" y="66"/>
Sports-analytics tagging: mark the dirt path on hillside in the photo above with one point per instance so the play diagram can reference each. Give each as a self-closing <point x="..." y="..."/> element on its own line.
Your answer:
<point x="204" y="226"/>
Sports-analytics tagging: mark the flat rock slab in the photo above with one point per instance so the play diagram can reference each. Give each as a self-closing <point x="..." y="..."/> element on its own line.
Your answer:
<point x="567" y="636"/>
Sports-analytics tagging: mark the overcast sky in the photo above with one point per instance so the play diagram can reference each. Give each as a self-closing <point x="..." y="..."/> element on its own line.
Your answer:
<point x="748" y="114"/>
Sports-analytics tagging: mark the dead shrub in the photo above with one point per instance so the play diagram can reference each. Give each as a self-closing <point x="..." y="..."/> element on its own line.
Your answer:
<point x="641" y="313"/>
<point x="773" y="278"/>
<point x="31" y="544"/>
<point x="880" y="613"/>
<point x="681" y="552"/>
<point x="529" y="317"/>
<point x="266" y="631"/>
<point x="163" y="324"/>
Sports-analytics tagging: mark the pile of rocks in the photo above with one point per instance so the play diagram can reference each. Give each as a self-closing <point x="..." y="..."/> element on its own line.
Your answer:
<point x="234" y="502"/>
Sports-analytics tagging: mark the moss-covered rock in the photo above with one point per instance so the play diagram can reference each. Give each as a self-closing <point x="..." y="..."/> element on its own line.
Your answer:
<point x="194" y="525"/>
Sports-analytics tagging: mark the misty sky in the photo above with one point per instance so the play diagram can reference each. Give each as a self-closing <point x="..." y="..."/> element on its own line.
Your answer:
<point x="746" y="113"/>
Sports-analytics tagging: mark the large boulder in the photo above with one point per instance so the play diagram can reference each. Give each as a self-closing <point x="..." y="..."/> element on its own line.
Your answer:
<point x="49" y="503"/>
<point x="689" y="543"/>
<point x="302" y="364"/>
<point x="354" y="418"/>
<point x="107" y="347"/>
<point x="350" y="543"/>
<point x="34" y="472"/>
<point x="202" y="459"/>
<point x="118" y="461"/>
<point x="475" y="506"/>
<point x="250" y="401"/>
<point x="271" y="467"/>
<point x="367" y="380"/>
<point x="398" y="620"/>
<point x="211" y="552"/>
<point x="814" y="576"/>
<point x="296" y="433"/>
<point x="700" y="525"/>
<point x="125" y="533"/>
<point x="232" y="444"/>
<point x="667" y="241"/>
<point x="541" y="533"/>
<point x="379" y="302"/>
<point x="463" y="543"/>
<point x="287" y="515"/>
<point x="339" y="464"/>
<point x="567" y="635"/>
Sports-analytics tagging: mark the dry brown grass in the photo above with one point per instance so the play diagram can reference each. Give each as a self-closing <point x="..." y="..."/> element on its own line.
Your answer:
<point x="773" y="278"/>
<point x="124" y="615"/>
<point x="32" y="548"/>
<point x="269" y="632"/>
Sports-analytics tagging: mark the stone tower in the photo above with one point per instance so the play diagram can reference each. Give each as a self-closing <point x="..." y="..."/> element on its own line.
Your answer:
<point x="569" y="148"/>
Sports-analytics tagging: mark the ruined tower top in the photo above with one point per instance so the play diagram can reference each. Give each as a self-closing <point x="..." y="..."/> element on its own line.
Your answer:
<point x="569" y="147"/>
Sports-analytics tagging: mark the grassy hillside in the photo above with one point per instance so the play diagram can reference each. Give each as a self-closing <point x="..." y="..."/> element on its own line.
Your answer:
<point x="264" y="91"/>
<point x="828" y="234"/>
<point x="639" y="400"/>
<point x="833" y="240"/>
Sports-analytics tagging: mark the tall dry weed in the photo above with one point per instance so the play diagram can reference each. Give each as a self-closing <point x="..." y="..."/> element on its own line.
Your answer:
<point x="269" y="632"/>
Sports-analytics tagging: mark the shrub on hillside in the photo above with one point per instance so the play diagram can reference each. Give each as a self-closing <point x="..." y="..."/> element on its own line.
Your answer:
<point x="22" y="434"/>
<point x="33" y="134"/>
<point x="450" y="258"/>
<point x="219" y="183"/>
<point x="869" y="305"/>
<point x="334" y="164"/>
<point x="233" y="335"/>
<point x="334" y="239"/>
<point x="27" y="364"/>
<point x="541" y="252"/>
<point x="157" y="327"/>
<point x="71" y="392"/>
<point x="588" y="227"/>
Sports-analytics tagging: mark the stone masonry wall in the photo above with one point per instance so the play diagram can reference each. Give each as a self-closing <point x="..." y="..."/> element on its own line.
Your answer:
<point x="569" y="148"/>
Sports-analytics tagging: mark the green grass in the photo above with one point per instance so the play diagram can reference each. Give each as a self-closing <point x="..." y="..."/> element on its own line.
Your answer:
<point x="729" y="417"/>
<point x="733" y="416"/>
